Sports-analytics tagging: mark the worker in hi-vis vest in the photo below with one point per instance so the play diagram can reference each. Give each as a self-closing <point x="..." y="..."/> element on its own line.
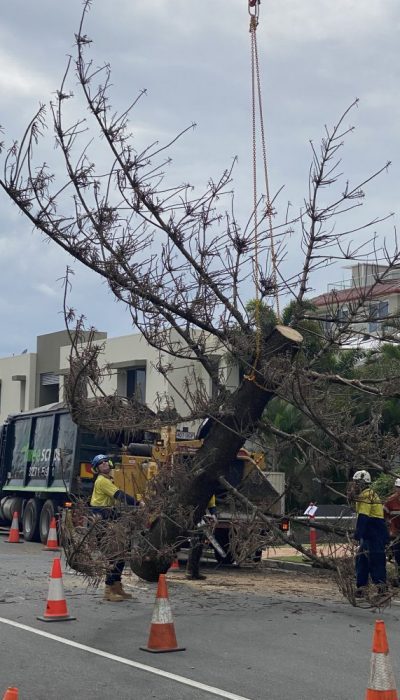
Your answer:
<point x="371" y="533"/>
<point x="196" y="541"/>
<point x="104" y="497"/>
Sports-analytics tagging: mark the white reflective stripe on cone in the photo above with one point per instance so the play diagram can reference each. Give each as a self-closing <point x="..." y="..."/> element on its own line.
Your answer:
<point x="162" y="613"/>
<point x="381" y="676"/>
<point x="52" y="534"/>
<point x="56" y="590"/>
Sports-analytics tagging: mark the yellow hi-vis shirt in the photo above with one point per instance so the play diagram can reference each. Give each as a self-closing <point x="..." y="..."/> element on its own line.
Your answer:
<point x="211" y="503"/>
<point x="103" y="492"/>
<point x="368" y="503"/>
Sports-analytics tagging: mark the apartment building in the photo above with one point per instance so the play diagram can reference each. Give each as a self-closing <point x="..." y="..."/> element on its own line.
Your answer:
<point x="368" y="299"/>
<point x="30" y="380"/>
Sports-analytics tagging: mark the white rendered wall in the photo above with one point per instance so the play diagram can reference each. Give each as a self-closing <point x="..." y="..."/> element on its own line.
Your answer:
<point x="13" y="395"/>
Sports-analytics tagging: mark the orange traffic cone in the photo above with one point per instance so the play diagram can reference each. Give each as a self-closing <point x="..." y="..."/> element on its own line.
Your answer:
<point x="52" y="541"/>
<point x="11" y="694"/>
<point x="13" y="536"/>
<point x="162" y="636"/>
<point x="56" y="606"/>
<point x="175" y="565"/>
<point x="381" y="680"/>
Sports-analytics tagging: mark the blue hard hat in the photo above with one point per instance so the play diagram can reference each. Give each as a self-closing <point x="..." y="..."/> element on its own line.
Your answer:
<point x="96" y="461"/>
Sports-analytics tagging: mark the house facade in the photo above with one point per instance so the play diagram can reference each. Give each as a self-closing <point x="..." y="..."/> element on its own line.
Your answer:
<point x="31" y="380"/>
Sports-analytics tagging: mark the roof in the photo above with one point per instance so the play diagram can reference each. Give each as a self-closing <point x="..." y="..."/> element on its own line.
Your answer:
<point x="50" y="407"/>
<point x="340" y="296"/>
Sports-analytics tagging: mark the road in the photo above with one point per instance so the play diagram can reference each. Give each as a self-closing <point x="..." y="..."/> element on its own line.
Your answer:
<point x="238" y="642"/>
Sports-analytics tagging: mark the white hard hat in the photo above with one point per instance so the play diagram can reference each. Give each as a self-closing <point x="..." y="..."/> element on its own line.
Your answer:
<point x="397" y="482"/>
<point x="362" y="475"/>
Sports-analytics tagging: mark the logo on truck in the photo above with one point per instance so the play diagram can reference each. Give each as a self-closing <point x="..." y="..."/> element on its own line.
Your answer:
<point x="40" y="459"/>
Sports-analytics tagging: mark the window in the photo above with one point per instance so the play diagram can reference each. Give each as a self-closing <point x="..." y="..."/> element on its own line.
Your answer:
<point x="136" y="383"/>
<point x="343" y="314"/>
<point x="378" y="311"/>
<point x="213" y="390"/>
<point x="49" y="388"/>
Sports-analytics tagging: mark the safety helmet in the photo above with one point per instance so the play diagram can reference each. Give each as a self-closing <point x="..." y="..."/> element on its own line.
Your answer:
<point x="362" y="475"/>
<point x="96" y="461"/>
<point x="397" y="482"/>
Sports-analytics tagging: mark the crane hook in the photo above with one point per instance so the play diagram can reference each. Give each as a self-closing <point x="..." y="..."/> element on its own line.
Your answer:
<point x="254" y="9"/>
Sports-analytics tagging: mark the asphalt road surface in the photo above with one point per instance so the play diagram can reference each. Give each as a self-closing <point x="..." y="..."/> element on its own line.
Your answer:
<point x="238" y="644"/>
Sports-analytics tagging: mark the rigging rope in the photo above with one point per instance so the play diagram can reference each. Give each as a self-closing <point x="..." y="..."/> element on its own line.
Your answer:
<point x="257" y="111"/>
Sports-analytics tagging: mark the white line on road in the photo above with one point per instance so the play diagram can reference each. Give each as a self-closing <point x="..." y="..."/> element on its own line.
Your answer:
<point x="120" y="659"/>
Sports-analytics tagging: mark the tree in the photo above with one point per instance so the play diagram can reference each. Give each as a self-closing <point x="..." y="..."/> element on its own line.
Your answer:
<point x="180" y="261"/>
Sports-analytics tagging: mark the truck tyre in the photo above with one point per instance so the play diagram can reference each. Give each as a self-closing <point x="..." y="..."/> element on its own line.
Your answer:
<point x="46" y="515"/>
<point x="30" y="520"/>
<point x="9" y="505"/>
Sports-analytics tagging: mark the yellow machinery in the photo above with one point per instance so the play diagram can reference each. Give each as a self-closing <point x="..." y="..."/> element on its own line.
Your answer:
<point x="137" y="469"/>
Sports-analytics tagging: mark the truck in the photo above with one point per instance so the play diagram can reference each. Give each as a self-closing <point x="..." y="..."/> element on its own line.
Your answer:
<point x="45" y="465"/>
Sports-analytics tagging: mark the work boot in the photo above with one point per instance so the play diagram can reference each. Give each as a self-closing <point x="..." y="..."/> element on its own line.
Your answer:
<point x="195" y="577"/>
<point x="112" y="595"/>
<point x="360" y="592"/>
<point x="382" y="589"/>
<point x="117" y="587"/>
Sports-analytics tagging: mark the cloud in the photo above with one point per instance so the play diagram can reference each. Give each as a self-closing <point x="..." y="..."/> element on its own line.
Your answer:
<point x="194" y="60"/>
<point x="47" y="291"/>
<point x="18" y="79"/>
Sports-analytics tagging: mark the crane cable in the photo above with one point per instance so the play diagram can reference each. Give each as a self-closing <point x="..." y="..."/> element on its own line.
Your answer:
<point x="257" y="111"/>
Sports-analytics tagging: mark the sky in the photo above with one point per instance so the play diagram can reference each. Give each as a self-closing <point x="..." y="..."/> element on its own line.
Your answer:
<point x="193" y="58"/>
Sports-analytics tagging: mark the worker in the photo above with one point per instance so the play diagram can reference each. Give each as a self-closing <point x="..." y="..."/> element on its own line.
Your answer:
<point x="196" y="541"/>
<point x="391" y="510"/>
<point x="371" y="533"/>
<point x="105" y="495"/>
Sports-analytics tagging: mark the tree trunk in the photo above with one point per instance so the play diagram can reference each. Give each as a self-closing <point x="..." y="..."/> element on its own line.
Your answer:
<point x="219" y="450"/>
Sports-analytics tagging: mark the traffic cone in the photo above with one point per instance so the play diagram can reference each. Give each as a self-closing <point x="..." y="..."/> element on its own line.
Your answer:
<point x="13" y="536"/>
<point x="11" y="694"/>
<point x="56" y="606"/>
<point x="162" y="636"/>
<point x="175" y="565"/>
<point x="381" y="679"/>
<point x="52" y="541"/>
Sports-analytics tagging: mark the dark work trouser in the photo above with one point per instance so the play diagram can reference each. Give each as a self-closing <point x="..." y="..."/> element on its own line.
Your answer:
<point x="194" y="556"/>
<point x="116" y="567"/>
<point x="371" y="561"/>
<point x="115" y="574"/>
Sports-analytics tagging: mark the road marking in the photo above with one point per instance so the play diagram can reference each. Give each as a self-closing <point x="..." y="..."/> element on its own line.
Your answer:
<point x="120" y="659"/>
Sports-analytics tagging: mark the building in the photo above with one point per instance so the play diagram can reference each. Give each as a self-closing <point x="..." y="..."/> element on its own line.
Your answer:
<point x="36" y="379"/>
<point x="366" y="302"/>
<point x="32" y="379"/>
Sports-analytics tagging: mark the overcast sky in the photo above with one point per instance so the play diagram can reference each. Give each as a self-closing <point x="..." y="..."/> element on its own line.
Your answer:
<point x="193" y="58"/>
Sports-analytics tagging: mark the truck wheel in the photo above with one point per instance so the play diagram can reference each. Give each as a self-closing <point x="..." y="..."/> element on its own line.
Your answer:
<point x="30" y="520"/>
<point x="45" y="518"/>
